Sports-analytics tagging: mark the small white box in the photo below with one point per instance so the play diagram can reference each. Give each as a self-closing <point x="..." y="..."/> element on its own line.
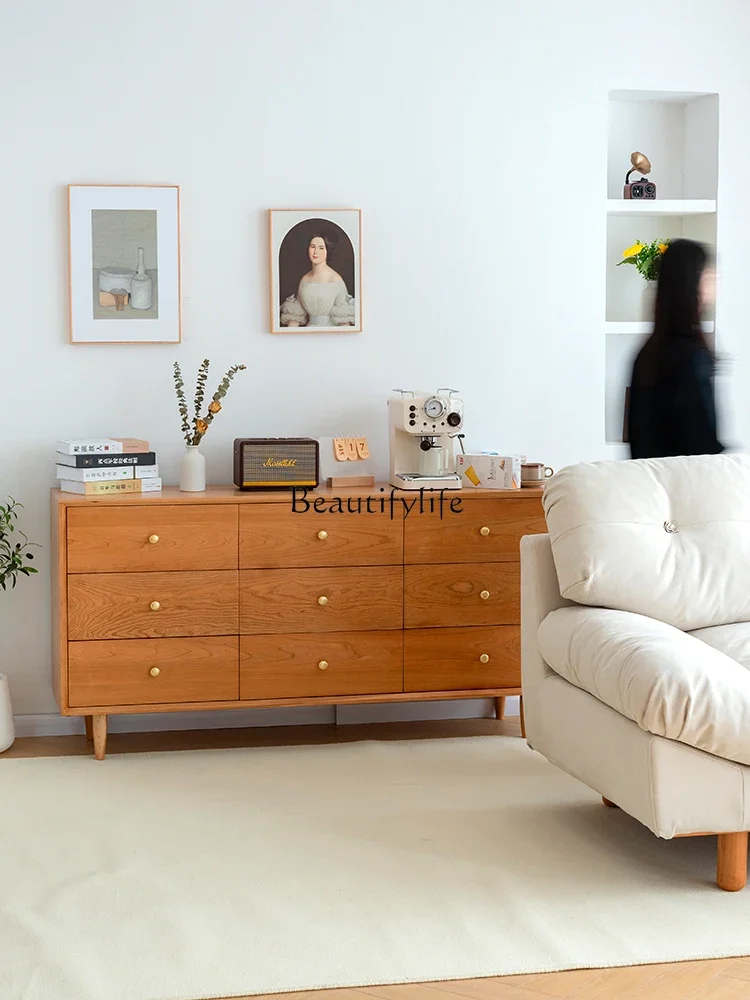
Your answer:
<point x="490" y="472"/>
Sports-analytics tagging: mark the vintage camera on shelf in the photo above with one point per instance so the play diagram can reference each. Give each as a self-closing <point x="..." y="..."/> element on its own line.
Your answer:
<point x="643" y="189"/>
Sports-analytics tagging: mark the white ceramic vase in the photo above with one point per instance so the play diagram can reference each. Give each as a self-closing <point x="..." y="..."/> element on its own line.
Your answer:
<point x="7" y="729"/>
<point x="192" y="470"/>
<point x="648" y="300"/>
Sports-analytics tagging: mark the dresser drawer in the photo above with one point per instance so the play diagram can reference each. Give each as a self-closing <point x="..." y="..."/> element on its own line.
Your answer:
<point x="320" y="600"/>
<point x="272" y="535"/>
<point x="153" y="671"/>
<point x="455" y="659"/>
<point x="151" y="537"/>
<point x="483" y="531"/>
<point x="462" y="594"/>
<point x="151" y="605"/>
<point x="310" y="666"/>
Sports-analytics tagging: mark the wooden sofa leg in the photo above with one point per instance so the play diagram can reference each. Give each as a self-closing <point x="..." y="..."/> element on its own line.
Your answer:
<point x="612" y="805"/>
<point x="731" y="861"/>
<point x="523" y="721"/>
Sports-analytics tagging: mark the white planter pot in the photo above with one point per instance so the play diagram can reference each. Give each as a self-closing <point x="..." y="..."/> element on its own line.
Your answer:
<point x="7" y="729"/>
<point x="192" y="470"/>
<point x="648" y="301"/>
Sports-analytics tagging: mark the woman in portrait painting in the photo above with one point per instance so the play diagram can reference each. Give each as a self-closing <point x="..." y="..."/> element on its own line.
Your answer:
<point x="322" y="297"/>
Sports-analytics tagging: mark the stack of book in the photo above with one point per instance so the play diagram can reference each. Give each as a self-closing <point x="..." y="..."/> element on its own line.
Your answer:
<point x="106" y="466"/>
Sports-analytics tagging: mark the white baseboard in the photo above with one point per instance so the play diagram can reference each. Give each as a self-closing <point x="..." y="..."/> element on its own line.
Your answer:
<point x="58" y="725"/>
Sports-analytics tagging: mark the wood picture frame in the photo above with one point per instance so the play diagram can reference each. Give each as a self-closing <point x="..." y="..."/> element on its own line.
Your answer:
<point x="315" y="268"/>
<point x="124" y="264"/>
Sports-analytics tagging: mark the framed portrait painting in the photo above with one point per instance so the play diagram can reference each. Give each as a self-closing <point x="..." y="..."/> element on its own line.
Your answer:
<point x="124" y="264"/>
<point x="316" y="270"/>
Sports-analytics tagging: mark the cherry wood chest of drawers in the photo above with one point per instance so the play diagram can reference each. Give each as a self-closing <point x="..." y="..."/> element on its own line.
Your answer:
<point x="178" y="601"/>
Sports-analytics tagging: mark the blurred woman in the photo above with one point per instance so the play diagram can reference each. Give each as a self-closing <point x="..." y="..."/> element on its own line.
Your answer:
<point x="672" y="404"/>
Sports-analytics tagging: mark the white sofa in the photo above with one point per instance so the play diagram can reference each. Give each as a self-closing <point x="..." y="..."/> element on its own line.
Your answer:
<point x="635" y="629"/>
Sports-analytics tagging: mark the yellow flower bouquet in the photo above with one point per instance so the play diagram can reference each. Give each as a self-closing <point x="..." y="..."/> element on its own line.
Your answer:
<point x="646" y="257"/>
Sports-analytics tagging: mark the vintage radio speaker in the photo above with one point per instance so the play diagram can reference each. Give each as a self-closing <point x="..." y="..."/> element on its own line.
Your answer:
<point x="272" y="463"/>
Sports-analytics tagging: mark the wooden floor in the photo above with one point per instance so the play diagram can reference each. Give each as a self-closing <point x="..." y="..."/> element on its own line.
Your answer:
<point x="723" y="979"/>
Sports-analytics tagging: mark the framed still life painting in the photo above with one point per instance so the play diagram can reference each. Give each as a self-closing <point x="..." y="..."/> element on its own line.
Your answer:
<point x="316" y="270"/>
<point x="124" y="264"/>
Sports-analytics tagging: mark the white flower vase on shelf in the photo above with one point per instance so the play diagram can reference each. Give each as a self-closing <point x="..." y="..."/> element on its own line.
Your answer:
<point x="648" y="300"/>
<point x="7" y="729"/>
<point x="192" y="470"/>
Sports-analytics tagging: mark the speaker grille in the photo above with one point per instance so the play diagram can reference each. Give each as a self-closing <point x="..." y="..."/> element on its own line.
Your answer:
<point x="279" y="462"/>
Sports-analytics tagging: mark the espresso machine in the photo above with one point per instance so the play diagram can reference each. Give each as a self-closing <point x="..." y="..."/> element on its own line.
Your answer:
<point x="421" y="431"/>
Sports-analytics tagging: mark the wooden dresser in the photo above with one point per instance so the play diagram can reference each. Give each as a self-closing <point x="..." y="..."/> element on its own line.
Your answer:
<point x="177" y="601"/>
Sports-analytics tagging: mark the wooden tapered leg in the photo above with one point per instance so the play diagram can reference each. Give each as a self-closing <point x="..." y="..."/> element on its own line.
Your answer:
<point x="731" y="861"/>
<point x="89" y="721"/>
<point x="500" y="708"/>
<point x="100" y="736"/>
<point x="523" y="724"/>
<point x="612" y="805"/>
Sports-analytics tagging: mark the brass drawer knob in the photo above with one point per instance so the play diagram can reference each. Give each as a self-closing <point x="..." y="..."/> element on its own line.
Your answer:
<point x="484" y="531"/>
<point x="484" y="658"/>
<point x="322" y="600"/>
<point x="155" y="605"/>
<point x="484" y="595"/>
<point x="153" y="539"/>
<point x="323" y="665"/>
<point x="154" y="671"/>
<point x="322" y="534"/>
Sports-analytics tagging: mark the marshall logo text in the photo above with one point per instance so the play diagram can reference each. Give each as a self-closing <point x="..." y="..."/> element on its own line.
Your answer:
<point x="421" y="502"/>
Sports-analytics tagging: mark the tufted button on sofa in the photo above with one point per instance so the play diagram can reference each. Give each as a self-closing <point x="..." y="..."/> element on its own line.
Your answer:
<point x="635" y="633"/>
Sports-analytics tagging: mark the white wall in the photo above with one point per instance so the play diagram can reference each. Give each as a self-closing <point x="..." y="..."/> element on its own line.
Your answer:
<point x="472" y="136"/>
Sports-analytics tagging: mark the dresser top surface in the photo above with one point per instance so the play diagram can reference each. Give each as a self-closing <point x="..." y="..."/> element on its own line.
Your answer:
<point x="230" y="494"/>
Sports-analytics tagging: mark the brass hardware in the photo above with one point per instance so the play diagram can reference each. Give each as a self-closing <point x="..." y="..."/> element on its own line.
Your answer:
<point x="484" y="658"/>
<point x="484" y="595"/>
<point x="323" y="665"/>
<point x="484" y="531"/>
<point x="153" y="539"/>
<point x="155" y="605"/>
<point x="322" y="534"/>
<point x="322" y="600"/>
<point x="154" y="671"/>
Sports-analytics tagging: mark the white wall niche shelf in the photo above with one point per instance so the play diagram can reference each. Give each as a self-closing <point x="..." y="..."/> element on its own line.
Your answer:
<point x="661" y="206"/>
<point x="679" y="132"/>
<point x="615" y="328"/>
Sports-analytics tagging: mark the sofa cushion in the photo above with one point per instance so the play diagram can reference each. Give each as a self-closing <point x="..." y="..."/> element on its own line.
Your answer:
<point x="670" y="683"/>
<point x="668" y="538"/>
<point x="734" y="640"/>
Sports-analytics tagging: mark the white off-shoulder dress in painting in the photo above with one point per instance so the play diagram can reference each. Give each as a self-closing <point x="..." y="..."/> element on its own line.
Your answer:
<point x="319" y="304"/>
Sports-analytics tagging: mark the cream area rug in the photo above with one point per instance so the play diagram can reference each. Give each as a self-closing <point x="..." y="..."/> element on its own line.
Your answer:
<point x="186" y="875"/>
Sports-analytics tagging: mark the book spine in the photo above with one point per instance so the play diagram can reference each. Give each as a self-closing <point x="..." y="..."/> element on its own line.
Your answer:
<point x="150" y="485"/>
<point x="93" y="475"/>
<point x="101" y="489"/>
<point x="146" y="471"/>
<point x="90" y="446"/>
<point x="144" y="458"/>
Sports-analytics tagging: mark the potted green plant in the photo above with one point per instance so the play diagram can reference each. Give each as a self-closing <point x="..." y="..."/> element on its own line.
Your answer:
<point x="646" y="258"/>
<point x="14" y="563"/>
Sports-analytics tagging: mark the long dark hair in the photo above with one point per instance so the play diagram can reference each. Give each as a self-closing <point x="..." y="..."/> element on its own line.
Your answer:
<point x="677" y="310"/>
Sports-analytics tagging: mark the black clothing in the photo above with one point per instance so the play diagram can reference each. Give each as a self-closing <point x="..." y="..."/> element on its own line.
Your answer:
<point x="673" y="411"/>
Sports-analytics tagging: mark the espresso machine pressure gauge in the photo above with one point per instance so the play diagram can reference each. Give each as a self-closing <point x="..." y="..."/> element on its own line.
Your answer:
<point x="434" y="407"/>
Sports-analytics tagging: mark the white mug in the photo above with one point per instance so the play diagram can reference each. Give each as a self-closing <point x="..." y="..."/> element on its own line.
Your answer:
<point x="536" y="472"/>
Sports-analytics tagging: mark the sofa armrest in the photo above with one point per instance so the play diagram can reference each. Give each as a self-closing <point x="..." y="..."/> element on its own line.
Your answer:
<point x="540" y="594"/>
<point x="668" y="682"/>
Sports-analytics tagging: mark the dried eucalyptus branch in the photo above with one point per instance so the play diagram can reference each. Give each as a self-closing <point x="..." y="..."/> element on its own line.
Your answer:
<point x="193" y="435"/>
<point x="182" y="402"/>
